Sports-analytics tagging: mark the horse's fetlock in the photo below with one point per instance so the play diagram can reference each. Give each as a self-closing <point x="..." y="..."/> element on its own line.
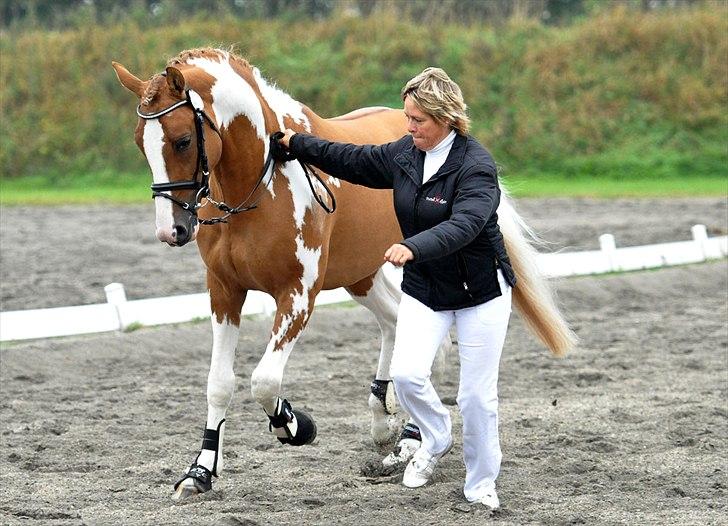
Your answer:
<point x="265" y="388"/>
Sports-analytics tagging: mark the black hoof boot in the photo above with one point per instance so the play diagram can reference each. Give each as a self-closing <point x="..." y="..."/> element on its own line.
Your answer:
<point x="294" y="427"/>
<point x="306" y="430"/>
<point x="200" y="476"/>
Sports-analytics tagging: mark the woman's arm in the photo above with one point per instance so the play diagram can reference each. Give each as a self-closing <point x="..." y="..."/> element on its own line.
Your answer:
<point x="366" y="165"/>
<point x="476" y="199"/>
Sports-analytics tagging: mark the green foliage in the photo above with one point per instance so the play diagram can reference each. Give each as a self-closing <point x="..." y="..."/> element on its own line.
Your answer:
<point x="618" y="94"/>
<point x="99" y="188"/>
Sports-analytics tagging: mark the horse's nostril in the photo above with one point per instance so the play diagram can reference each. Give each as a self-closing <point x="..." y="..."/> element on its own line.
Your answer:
<point x="180" y="233"/>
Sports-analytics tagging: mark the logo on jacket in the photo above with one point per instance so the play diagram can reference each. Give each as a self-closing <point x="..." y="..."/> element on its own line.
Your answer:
<point x="437" y="199"/>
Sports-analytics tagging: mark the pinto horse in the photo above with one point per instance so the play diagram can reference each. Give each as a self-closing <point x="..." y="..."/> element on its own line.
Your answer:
<point x="208" y="129"/>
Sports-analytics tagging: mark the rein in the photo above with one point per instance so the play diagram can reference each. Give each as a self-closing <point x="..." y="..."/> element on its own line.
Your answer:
<point x="276" y="152"/>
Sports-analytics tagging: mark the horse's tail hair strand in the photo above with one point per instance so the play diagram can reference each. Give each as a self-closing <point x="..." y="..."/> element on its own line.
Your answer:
<point x="533" y="295"/>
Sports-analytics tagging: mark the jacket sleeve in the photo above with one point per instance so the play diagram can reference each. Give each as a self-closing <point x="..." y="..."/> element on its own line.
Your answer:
<point x="366" y="165"/>
<point x="476" y="199"/>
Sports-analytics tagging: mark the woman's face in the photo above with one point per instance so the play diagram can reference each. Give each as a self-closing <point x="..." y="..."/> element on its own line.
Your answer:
<point x="426" y="131"/>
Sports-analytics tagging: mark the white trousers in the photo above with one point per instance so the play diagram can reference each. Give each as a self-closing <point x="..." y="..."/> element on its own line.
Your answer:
<point x="481" y="331"/>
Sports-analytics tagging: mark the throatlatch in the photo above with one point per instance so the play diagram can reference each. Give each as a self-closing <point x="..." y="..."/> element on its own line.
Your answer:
<point x="296" y="428"/>
<point x="200" y="475"/>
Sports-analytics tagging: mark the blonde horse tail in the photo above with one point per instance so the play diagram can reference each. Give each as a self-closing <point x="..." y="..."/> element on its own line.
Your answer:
<point x="533" y="295"/>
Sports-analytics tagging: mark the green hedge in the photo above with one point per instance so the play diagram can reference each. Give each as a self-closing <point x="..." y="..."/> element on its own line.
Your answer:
<point x="621" y="93"/>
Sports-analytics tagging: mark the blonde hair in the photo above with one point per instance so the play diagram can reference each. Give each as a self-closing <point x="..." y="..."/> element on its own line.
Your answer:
<point x="440" y="97"/>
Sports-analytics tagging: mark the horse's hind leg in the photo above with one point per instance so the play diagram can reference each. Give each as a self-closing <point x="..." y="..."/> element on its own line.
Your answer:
<point x="380" y="294"/>
<point x="220" y="388"/>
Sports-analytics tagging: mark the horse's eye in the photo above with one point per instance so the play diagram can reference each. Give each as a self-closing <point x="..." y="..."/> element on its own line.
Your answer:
<point x="182" y="144"/>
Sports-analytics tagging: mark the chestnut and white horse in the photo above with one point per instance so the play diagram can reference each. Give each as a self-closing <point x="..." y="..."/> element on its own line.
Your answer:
<point x="207" y="128"/>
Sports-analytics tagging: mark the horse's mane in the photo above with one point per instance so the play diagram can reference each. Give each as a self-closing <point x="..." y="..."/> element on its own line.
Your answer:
<point x="157" y="81"/>
<point x="207" y="52"/>
<point x="153" y="89"/>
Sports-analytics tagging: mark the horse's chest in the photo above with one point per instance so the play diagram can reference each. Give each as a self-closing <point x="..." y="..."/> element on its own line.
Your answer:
<point x="265" y="261"/>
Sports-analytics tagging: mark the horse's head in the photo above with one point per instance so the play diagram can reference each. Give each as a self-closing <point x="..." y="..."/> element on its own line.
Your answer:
<point x="202" y="94"/>
<point x="178" y="135"/>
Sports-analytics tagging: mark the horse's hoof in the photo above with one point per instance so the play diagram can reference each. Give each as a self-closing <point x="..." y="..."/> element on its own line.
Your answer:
<point x="306" y="432"/>
<point x="403" y="452"/>
<point x="184" y="492"/>
<point x="198" y="479"/>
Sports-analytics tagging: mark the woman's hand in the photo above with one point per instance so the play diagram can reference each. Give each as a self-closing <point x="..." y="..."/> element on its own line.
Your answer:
<point x="286" y="137"/>
<point x="398" y="255"/>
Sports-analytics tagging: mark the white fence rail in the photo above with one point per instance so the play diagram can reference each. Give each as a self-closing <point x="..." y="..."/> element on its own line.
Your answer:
<point x="120" y="314"/>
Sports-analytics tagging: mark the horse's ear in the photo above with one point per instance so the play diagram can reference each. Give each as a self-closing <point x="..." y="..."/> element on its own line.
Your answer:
<point x="128" y="80"/>
<point x="176" y="81"/>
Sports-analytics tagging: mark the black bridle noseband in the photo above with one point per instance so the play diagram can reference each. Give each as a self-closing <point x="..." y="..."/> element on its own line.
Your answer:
<point x="276" y="152"/>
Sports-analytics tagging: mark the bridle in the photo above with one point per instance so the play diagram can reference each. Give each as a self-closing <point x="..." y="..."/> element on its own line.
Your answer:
<point x="276" y="152"/>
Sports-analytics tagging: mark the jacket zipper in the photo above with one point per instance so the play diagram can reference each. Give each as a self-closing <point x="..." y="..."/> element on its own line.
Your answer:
<point x="418" y="195"/>
<point x="463" y="271"/>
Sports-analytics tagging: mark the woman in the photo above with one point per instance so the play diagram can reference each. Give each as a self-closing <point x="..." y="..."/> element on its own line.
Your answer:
<point x="456" y="269"/>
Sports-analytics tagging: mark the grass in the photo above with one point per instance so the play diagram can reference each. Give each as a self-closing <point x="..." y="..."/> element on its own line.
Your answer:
<point x="622" y="92"/>
<point x="95" y="188"/>
<point x="105" y="188"/>
<point x="559" y="186"/>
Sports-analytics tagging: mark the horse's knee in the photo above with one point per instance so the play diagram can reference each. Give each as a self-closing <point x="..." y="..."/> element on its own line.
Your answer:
<point x="220" y="389"/>
<point x="265" y="385"/>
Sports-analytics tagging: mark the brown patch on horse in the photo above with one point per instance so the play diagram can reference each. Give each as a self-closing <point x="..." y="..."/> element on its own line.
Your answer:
<point x="361" y="288"/>
<point x="361" y="112"/>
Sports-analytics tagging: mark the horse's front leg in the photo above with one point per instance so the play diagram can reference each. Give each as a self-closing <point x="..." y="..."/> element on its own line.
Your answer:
<point x="220" y="388"/>
<point x="290" y="426"/>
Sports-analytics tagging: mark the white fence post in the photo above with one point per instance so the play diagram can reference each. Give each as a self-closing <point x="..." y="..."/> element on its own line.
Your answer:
<point x="700" y="236"/>
<point x="116" y="296"/>
<point x="608" y="247"/>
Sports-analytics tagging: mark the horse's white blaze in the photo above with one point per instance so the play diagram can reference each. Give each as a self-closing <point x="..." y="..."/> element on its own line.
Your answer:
<point x="153" y="143"/>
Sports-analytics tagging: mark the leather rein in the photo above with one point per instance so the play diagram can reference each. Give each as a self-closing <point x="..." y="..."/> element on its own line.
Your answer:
<point x="276" y="152"/>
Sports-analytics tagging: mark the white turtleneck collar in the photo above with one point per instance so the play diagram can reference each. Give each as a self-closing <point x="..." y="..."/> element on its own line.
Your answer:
<point x="436" y="157"/>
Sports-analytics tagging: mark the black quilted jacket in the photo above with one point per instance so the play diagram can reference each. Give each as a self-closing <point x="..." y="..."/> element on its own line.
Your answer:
<point x="450" y="222"/>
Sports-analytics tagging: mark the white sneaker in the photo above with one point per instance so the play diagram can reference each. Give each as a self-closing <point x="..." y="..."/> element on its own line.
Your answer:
<point x="420" y="469"/>
<point x="489" y="500"/>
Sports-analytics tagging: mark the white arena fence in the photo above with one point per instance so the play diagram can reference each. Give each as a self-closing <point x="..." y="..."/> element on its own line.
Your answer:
<point x="120" y="314"/>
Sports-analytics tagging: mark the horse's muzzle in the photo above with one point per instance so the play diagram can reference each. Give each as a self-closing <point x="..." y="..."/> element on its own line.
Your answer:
<point x="180" y="234"/>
